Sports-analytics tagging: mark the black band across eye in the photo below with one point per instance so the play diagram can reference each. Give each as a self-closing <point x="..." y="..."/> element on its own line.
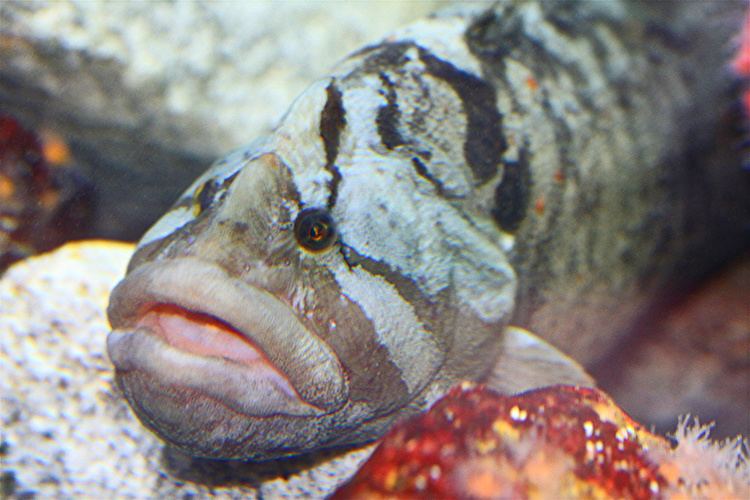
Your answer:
<point x="314" y="229"/>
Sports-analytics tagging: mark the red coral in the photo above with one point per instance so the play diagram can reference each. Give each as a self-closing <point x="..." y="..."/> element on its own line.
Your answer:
<point x="741" y="61"/>
<point x="475" y="443"/>
<point x="18" y="145"/>
<point x="41" y="204"/>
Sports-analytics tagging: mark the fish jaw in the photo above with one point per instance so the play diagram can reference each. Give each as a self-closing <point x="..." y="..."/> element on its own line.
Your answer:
<point x="189" y="342"/>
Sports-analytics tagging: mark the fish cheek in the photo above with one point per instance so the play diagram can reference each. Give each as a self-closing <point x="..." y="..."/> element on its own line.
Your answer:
<point x="374" y="380"/>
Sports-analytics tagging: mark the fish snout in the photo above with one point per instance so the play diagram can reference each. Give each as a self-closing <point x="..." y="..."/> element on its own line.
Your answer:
<point x="201" y="355"/>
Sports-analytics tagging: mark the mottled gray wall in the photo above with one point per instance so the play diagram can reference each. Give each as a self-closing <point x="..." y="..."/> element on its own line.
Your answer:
<point x="148" y="94"/>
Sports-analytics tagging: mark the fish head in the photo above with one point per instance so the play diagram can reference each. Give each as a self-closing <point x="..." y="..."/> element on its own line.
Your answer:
<point x="304" y="293"/>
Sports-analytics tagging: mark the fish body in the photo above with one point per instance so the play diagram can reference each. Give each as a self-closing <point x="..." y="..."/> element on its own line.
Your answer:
<point x="520" y="164"/>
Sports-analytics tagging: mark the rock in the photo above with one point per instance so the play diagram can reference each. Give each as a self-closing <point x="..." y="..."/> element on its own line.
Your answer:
<point x="691" y="358"/>
<point x="148" y="95"/>
<point x="44" y="200"/>
<point x="67" y="432"/>
<point x="556" y="442"/>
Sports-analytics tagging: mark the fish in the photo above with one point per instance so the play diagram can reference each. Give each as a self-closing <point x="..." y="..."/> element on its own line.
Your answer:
<point x="493" y="193"/>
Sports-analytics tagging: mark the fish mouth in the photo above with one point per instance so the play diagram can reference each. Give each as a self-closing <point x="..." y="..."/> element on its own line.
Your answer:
<point x="187" y="326"/>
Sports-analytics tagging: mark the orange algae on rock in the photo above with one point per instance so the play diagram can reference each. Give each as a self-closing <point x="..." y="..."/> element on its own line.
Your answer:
<point x="556" y="442"/>
<point x="474" y="443"/>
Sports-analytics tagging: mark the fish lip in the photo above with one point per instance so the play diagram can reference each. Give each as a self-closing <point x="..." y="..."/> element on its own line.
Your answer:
<point x="308" y="363"/>
<point x="212" y="378"/>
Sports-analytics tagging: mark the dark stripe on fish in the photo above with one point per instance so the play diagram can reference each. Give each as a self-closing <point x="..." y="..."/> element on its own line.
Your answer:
<point x="422" y="171"/>
<point x="205" y="195"/>
<point x="513" y="193"/>
<point x="389" y="116"/>
<point x="372" y="375"/>
<point x="211" y="190"/>
<point x="426" y="310"/>
<point x="332" y="122"/>
<point x="382" y="56"/>
<point x="485" y="143"/>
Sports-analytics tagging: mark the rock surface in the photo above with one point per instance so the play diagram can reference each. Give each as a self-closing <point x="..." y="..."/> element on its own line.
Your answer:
<point x="556" y="442"/>
<point x="691" y="358"/>
<point x="174" y="87"/>
<point x="65" y="430"/>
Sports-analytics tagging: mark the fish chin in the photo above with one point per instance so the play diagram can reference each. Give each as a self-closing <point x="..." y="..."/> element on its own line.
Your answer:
<point x="201" y="356"/>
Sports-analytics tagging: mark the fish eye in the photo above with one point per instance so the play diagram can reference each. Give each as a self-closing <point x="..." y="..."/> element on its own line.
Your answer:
<point x="314" y="229"/>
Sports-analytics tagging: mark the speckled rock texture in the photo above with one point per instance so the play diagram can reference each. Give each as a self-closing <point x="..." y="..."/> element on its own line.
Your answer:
<point x="555" y="442"/>
<point x="65" y="430"/>
<point x="169" y="86"/>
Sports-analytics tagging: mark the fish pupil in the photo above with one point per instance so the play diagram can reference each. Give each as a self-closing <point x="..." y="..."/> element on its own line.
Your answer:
<point x="314" y="229"/>
<point x="318" y="231"/>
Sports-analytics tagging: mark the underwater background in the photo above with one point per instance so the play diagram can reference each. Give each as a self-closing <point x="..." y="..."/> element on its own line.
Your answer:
<point x="108" y="111"/>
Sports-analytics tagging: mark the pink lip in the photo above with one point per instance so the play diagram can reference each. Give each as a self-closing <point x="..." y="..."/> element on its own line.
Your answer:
<point x="207" y="336"/>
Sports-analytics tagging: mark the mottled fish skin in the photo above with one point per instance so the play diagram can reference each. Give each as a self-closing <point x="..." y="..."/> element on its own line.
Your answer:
<point x="518" y="164"/>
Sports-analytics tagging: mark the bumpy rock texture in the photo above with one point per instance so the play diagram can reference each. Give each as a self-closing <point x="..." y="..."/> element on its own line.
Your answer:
<point x="66" y="432"/>
<point x="557" y="442"/>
